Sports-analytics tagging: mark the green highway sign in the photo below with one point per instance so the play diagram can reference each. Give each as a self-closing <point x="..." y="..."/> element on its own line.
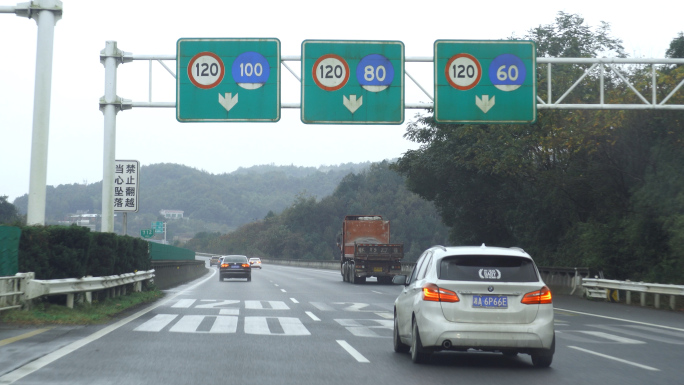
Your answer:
<point x="157" y="227"/>
<point x="227" y="80"/>
<point x="352" y="82"/>
<point x="485" y="81"/>
<point x="147" y="233"/>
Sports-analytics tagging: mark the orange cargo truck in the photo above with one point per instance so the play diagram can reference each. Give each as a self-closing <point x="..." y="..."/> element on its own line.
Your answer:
<point x="366" y="251"/>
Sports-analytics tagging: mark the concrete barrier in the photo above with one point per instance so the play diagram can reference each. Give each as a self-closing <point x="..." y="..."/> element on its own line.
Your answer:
<point x="173" y="273"/>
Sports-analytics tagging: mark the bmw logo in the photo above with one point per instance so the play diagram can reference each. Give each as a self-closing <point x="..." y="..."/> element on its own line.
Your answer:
<point x="491" y="289"/>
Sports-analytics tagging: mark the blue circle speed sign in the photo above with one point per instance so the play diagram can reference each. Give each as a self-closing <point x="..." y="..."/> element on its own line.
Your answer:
<point x="507" y="72"/>
<point x="250" y="70"/>
<point x="375" y="73"/>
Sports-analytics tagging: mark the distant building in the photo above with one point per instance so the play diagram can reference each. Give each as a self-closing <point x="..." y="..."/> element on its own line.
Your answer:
<point x="172" y="214"/>
<point x="83" y="218"/>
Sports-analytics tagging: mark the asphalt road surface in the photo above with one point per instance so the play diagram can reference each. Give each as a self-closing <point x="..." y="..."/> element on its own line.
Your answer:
<point x="305" y="326"/>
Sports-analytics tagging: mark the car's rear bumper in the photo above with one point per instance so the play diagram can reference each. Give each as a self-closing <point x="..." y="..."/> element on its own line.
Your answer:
<point x="538" y="334"/>
<point x="235" y="274"/>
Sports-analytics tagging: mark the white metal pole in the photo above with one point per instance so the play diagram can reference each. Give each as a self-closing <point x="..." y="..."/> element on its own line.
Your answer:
<point x="109" y="109"/>
<point x="49" y="12"/>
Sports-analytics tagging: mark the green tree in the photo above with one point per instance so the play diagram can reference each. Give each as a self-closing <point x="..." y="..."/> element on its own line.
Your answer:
<point x="577" y="188"/>
<point x="8" y="211"/>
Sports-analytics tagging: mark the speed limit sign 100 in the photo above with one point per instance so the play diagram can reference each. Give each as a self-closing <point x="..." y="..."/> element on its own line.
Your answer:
<point x="463" y="71"/>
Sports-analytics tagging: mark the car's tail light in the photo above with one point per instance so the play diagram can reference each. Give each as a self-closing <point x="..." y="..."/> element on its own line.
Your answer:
<point x="432" y="292"/>
<point x="224" y="265"/>
<point x="538" y="297"/>
<point x="245" y="265"/>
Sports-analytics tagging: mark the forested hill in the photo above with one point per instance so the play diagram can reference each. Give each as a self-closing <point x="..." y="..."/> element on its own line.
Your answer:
<point x="307" y="229"/>
<point x="229" y="199"/>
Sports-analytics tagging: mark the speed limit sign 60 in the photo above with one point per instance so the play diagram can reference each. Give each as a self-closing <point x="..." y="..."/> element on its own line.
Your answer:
<point x="463" y="71"/>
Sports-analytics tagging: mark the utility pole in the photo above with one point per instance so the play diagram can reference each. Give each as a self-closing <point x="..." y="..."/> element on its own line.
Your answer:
<point x="46" y="13"/>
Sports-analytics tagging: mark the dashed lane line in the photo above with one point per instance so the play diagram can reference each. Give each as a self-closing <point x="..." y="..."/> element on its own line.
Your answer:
<point x="353" y="352"/>
<point x="616" y="359"/>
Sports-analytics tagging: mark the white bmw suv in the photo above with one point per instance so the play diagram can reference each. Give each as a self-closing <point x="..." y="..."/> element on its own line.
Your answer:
<point x="469" y="297"/>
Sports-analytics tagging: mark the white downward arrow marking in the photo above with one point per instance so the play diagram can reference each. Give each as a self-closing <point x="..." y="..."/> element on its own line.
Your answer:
<point x="485" y="104"/>
<point x="352" y="104"/>
<point x="229" y="101"/>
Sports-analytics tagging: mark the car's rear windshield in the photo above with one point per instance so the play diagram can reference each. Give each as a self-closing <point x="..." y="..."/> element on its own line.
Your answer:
<point x="234" y="259"/>
<point x="492" y="268"/>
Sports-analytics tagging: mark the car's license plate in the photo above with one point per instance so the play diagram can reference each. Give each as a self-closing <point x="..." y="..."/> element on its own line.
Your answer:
<point x="490" y="301"/>
<point x="235" y="267"/>
<point x="377" y="269"/>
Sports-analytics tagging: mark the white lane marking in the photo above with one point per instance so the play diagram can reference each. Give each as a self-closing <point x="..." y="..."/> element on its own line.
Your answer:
<point x="224" y="325"/>
<point x="217" y="304"/>
<point x="313" y="317"/>
<point x="294" y="300"/>
<point x="377" y="292"/>
<point x="187" y="324"/>
<point x="385" y="314"/>
<point x="31" y="367"/>
<point x="616" y="359"/>
<point x="276" y="285"/>
<point x="355" y="327"/>
<point x="666" y="332"/>
<point x="291" y="326"/>
<point x="156" y="323"/>
<point x="184" y="303"/>
<point x="229" y="312"/>
<point x="652" y="337"/>
<point x="258" y="305"/>
<point x="322" y="306"/>
<point x="613" y="337"/>
<point x="621" y="319"/>
<point x="283" y="290"/>
<point x="354" y="353"/>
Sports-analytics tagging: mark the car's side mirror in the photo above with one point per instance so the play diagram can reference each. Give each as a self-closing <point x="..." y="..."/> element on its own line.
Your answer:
<point x="399" y="280"/>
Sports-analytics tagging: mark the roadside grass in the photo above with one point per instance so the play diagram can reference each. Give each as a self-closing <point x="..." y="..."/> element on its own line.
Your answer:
<point x="45" y="313"/>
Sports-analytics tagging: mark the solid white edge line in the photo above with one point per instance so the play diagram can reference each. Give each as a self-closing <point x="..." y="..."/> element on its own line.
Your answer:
<point x="313" y="316"/>
<point x="47" y="359"/>
<point x="616" y="359"/>
<point x="353" y="352"/>
<point x="621" y="319"/>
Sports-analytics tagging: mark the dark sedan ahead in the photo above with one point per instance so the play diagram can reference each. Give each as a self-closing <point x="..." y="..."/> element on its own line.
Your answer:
<point x="235" y="266"/>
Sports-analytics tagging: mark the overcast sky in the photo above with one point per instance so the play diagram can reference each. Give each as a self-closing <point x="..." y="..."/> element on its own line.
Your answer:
<point x="145" y="27"/>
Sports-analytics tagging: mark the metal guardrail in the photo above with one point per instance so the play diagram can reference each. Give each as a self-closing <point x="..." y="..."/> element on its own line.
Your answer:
<point x="598" y="288"/>
<point x="11" y="291"/>
<point x="17" y="290"/>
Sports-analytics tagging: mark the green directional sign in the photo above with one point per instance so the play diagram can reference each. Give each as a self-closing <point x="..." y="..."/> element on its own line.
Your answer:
<point x="157" y="227"/>
<point x="485" y="81"/>
<point x="352" y="82"/>
<point x="227" y="80"/>
<point x="147" y="233"/>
